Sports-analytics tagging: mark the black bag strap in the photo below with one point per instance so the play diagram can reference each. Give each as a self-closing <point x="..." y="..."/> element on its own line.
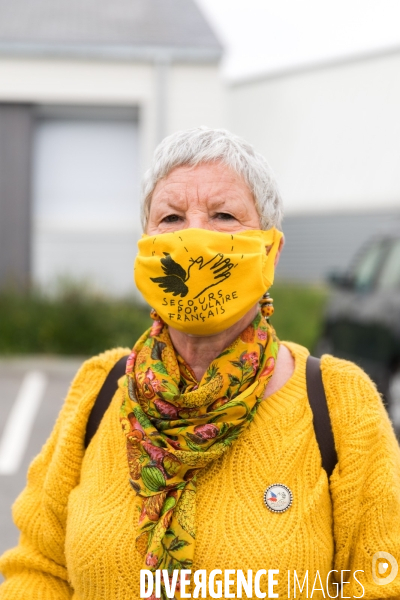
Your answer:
<point x="322" y="421"/>
<point x="104" y="398"/>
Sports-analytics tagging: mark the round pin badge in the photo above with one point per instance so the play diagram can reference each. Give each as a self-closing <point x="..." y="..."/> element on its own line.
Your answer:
<point x="278" y="497"/>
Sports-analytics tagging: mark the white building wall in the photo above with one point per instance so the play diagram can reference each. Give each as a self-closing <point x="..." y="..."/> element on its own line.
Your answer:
<point x="81" y="230"/>
<point x="331" y="134"/>
<point x="194" y="93"/>
<point x="80" y="82"/>
<point x="196" y="96"/>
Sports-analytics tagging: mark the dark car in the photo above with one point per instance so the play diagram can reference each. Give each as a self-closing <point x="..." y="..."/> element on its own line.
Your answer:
<point x="362" y="320"/>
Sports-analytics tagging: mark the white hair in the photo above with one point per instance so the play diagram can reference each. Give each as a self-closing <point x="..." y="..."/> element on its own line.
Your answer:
<point x="203" y="145"/>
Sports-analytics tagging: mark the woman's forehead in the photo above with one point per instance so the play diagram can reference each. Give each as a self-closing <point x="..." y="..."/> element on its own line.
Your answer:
<point x="213" y="183"/>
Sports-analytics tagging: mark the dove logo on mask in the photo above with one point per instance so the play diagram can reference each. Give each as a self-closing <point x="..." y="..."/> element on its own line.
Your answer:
<point x="202" y="282"/>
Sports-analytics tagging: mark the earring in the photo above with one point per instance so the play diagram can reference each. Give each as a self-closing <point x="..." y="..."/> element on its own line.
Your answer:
<point x="267" y="306"/>
<point x="158" y="323"/>
<point x="154" y="315"/>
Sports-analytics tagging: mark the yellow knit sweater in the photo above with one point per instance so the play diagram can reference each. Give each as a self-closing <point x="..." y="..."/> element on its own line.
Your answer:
<point x="78" y="514"/>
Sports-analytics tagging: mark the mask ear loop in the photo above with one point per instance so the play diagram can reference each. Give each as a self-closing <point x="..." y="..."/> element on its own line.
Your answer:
<point x="267" y="306"/>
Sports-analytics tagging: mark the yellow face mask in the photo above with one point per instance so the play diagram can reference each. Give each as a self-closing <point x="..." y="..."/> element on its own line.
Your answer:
<point x="202" y="282"/>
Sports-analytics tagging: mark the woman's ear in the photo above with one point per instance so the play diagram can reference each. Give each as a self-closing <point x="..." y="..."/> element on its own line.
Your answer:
<point x="281" y="244"/>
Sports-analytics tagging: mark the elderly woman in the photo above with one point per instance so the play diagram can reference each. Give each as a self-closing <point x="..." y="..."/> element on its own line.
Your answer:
<point x="206" y="457"/>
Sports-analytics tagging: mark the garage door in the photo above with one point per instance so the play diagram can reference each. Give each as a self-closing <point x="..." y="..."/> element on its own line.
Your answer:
<point x="85" y="200"/>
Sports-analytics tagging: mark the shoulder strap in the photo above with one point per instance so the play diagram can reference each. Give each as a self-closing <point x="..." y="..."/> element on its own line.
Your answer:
<point x="322" y="421"/>
<point x="104" y="398"/>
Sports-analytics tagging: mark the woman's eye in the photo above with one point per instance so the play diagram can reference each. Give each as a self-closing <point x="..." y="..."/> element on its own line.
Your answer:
<point x="224" y="216"/>
<point x="170" y="219"/>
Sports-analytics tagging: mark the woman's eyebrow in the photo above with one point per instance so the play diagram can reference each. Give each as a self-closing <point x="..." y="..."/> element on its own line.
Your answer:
<point x="218" y="202"/>
<point x="172" y="203"/>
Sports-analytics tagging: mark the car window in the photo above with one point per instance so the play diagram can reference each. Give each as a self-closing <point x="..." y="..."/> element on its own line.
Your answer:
<point x="366" y="269"/>
<point x="389" y="277"/>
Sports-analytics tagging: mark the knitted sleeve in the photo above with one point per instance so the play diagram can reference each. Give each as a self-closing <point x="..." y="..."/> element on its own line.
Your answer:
<point x="36" y="569"/>
<point x="365" y="485"/>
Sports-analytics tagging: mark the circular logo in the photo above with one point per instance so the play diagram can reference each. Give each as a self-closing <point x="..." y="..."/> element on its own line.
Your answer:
<point x="278" y="497"/>
<point x="381" y="573"/>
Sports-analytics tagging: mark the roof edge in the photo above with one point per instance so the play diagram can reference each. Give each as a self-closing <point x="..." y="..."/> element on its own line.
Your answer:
<point x="114" y="52"/>
<point x="338" y="61"/>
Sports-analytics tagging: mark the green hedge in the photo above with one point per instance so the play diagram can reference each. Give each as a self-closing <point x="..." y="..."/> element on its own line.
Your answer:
<point x="71" y="323"/>
<point x="299" y="311"/>
<point x="81" y="323"/>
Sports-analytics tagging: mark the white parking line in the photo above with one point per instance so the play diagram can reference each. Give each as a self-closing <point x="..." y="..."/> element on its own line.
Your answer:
<point x="17" y="430"/>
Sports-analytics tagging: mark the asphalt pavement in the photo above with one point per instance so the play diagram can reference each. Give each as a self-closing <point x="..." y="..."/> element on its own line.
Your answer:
<point x="32" y="391"/>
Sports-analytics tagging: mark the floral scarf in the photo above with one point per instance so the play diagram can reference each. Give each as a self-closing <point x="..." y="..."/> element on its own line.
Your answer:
<point x="175" y="425"/>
